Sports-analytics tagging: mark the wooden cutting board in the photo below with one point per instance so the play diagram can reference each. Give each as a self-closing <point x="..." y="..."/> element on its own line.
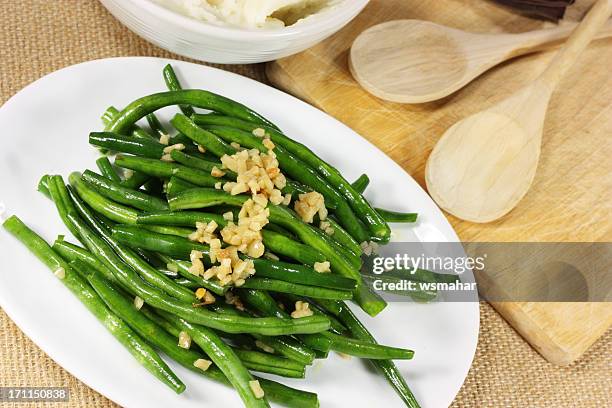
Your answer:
<point x="571" y="198"/>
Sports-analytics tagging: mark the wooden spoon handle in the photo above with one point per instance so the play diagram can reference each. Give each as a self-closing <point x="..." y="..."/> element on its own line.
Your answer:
<point x="577" y="42"/>
<point x="530" y="41"/>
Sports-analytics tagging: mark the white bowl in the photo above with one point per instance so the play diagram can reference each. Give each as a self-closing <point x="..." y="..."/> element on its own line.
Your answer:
<point x="224" y="44"/>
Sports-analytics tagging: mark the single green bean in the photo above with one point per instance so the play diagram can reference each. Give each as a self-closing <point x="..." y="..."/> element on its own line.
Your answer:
<point x="283" y="245"/>
<point x="127" y="144"/>
<point x="195" y="97"/>
<point x="77" y="285"/>
<point x="366" y="349"/>
<point x="118" y="193"/>
<point x="299" y="274"/>
<point x="179" y="218"/>
<point x="175" y="185"/>
<point x="158" y="168"/>
<point x="302" y="290"/>
<point x="107" y="170"/>
<point x="135" y="180"/>
<point x="361" y="183"/>
<point x="156" y="125"/>
<point x="173" y="84"/>
<point x="169" y="230"/>
<point x="135" y="131"/>
<point x="202" y="137"/>
<point x="394" y="216"/>
<point x="344" y="238"/>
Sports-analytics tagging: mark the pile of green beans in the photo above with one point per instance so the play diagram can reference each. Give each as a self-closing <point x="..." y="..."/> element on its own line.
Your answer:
<point x="133" y="268"/>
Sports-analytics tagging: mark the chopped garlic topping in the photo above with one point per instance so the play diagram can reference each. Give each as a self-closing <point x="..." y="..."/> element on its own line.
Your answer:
<point x="138" y="302"/>
<point x="256" y="388"/>
<point x="202" y="364"/>
<point x="259" y="132"/>
<point x="257" y="173"/>
<point x="204" y="233"/>
<point x="201" y="149"/>
<point x="264" y="347"/>
<point x="164" y="139"/>
<point x="205" y="296"/>
<point x="216" y="172"/>
<point x="170" y="149"/>
<point x="322" y="267"/>
<point x="309" y="204"/>
<point x="60" y="273"/>
<point x="234" y="300"/>
<point x="302" y="309"/>
<point x="184" y="340"/>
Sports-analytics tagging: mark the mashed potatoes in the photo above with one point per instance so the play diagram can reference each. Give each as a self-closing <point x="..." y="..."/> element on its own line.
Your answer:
<point x="249" y="13"/>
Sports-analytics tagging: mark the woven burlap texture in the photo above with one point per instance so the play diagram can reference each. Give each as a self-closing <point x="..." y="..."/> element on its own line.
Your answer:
<point x="41" y="36"/>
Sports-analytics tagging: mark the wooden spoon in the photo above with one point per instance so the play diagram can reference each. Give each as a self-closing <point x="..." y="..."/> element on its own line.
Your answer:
<point x="484" y="164"/>
<point x="412" y="61"/>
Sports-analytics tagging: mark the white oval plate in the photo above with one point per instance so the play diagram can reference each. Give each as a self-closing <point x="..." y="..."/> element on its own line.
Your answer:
<point x="45" y="128"/>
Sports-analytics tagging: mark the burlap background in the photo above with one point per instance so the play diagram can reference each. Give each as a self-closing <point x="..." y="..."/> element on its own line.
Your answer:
<point x="40" y="36"/>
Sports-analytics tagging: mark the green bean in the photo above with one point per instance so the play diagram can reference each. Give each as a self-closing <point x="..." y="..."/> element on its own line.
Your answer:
<point x="283" y="345"/>
<point x="156" y="125"/>
<point x="291" y="299"/>
<point x="282" y="245"/>
<point x="344" y="238"/>
<point x="267" y="306"/>
<point x="127" y="144"/>
<point x="175" y="185"/>
<point x="298" y="274"/>
<point x="386" y="367"/>
<point x="170" y="245"/>
<point x="366" y="349"/>
<point x="179" y="218"/>
<point x="201" y="198"/>
<point x="361" y="183"/>
<point x="169" y="230"/>
<point x="158" y="168"/>
<point x="276" y="228"/>
<point x="276" y="392"/>
<point x="75" y="283"/>
<point x="135" y="180"/>
<point x="71" y="252"/>
<point x="303" y="290"/>
<point x="269" y="360"/>
<point x="153" y="296"/>
<point x="173" y="84"/>
<point x="182" y="268"/>
<point x="108" y="208"/>
<point x="223" y="357"/>
<point x="198" y="163"/>
<point x="418" y="295"/>
<point x="146" y="271"/>
<point x="107" y="170"/>
<point x="154" y="187"/>
<point x="116" y="192"/>
<point x="213" y="144"/>
<point x="394" y="216"/>
<point x="377" y="226"/>
<point x="301" y="172"/>
<point x="195" y="97"/>
<point x="135" y="130"/>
